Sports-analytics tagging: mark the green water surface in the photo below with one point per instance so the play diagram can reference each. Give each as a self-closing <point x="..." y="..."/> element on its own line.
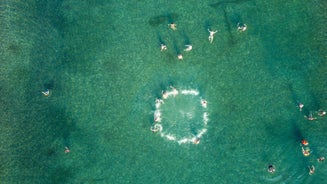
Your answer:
<point x="102" y="63"/>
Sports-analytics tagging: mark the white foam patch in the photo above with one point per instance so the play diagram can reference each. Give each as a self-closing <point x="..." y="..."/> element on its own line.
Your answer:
<point x="195" y="139"/>
<point x="190" y="92"/>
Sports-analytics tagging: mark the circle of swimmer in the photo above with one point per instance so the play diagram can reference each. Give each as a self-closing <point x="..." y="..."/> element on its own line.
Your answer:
<point x="159" y="127"/>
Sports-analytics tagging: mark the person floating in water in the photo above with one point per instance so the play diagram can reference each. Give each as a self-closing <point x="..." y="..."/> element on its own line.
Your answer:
<point x="312" y="170"/>
<point x="196" y="140"/>
<point x="163" y="47"/>
<point x="271" y="168"/>
<point x="306" y="151"/>
<point x="211" y="35"/>
<point x="188" y="48"/>
<point x="46" y="92"/>
<point x="175" y="91"/>
<point x="310" y="117"/>
<point x="67" y="150"/>
<point x="173" y="26"/>
<point x="180" y="56"/>
<point x="241" y="28"/>
<point x="300" y="105"/>
<point x="204" y="103"/>
<point x="159" y="101"/>
<point x="305" y="142"/>
<point x="321" y="112"/>
<point x="321" y="159"/>
<point x="157" y="117"/>
<point x="156" y="128"/>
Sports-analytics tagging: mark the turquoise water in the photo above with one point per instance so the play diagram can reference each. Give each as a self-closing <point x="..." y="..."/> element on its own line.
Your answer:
<point x="102" y="63"/>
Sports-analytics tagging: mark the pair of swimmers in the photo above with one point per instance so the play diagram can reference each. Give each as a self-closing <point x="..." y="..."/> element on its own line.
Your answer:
<point x="240" y="27"/>
<point x="188" y="47"/>
<point x="310" y="116"/>
<point x="312" y="168"/>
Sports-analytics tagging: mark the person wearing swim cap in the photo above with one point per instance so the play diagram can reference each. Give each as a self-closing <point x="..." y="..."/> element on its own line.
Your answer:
<point x="305" y="142"/>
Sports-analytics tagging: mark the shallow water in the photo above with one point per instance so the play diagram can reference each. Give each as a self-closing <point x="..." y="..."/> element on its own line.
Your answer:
<point x="102" y="63"/>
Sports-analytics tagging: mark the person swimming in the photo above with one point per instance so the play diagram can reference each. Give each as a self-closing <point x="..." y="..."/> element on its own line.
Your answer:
<point x="271" y="168"/>
<point x="311" y="170"/>
<point x="321" y="112"/>
<point x="310" y="117"/>
<point x="211" y="35"/>
<point x="196" y="140"/>
<point x="306" y="152"/>
<point x="188" y="48"/>
<point x="163" y="47"/>
<point x="241" y="28"/>
<point x="204" y="103"/>
<point x="300" y="105"/>
<point x="305" y="142"/>
<point x="46" y="92"/>
<point x="321" y="159"/>
<point x="67" y="150"/>
<point x="156" y="128"/>
<point x="173" y="26"/>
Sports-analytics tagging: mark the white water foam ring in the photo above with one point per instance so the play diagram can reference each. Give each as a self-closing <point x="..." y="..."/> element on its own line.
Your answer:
<point x="179" y="130"/>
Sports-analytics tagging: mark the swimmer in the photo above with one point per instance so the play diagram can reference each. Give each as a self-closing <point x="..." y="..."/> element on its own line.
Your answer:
<point x="306" y="151"/>
<point x="180" y="56"/>
<point x="321" y="112"/>
<point x="204" y="103"/>
<point x="305" y="142"/>
<point x="271" y="168"/>
<point x="188" y="48"/>
<point x="175" y="92"/>
<point x="163" y="47"/>
<point x="157" y="118"/>
<point x="300" y="105"/>
<point x="67" y="150"/>
<point x="173" y="26"/>
<point x="164" y="95"/>
<point x="311" y="170"/>
<point x="156" y="128"/>
<point x="241" y="28"/>
<point x="46" y="92"/>
<point x="196" y="140"/>
<point x="159" y="101"/>
<point x="321" y="159"/>
<point x="211" y="35"/>
<point x="310" y="117"/>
